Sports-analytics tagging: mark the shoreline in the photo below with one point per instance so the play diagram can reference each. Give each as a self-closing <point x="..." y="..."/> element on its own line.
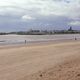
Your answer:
<point x="34" y="39"/>
<point x="36" y="43"/>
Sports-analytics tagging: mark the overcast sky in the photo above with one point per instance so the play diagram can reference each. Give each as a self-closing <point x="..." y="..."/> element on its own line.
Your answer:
<point x="17" y="15"/>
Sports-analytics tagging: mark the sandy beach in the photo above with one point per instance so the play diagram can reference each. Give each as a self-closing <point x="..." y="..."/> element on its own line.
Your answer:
<point x="49" y="61"/>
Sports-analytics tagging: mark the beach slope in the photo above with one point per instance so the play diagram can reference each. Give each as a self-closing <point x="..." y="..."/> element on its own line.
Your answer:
<point x="60" y="61"/>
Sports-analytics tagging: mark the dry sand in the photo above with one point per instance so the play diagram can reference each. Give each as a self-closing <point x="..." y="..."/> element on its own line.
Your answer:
<point x="60" y="61"/>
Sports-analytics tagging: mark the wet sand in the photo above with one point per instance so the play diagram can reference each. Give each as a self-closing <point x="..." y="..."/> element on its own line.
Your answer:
<point x="59" y="61"/>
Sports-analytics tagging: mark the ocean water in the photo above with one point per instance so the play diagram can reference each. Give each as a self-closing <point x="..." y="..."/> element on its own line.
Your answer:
<point x="20" y="39"/>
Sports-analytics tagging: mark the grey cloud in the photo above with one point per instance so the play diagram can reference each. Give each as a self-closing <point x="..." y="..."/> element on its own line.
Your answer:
<point x="48" y="13"/>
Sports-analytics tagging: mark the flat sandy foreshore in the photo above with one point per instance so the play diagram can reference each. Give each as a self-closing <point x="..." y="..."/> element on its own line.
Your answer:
<point x="52" y="61"/>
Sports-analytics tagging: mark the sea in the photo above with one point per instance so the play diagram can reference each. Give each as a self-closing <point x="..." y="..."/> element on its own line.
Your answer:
<point x="20" y="39"/>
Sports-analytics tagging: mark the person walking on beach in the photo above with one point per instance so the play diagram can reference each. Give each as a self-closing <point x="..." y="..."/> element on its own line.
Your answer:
<point x="75" y="38"/>
<point x="25" y="41"/>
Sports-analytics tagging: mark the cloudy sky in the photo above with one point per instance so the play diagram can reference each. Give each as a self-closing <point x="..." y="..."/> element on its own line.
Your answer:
<point x="17" y="15"/>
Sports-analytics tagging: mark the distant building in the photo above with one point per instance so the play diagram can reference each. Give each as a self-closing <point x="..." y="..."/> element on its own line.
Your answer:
<point x="70" y="29"/>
